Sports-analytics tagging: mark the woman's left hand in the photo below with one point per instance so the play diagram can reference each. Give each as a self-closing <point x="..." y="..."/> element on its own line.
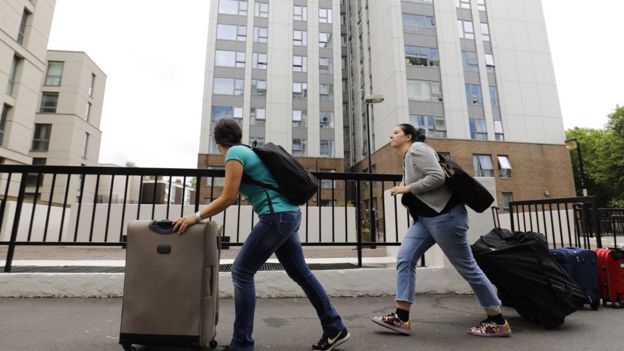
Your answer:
<point x="181" y="224"/>
<point x="399" y="190"/>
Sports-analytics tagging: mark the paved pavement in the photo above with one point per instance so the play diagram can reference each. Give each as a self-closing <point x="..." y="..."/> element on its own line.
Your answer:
<point x="290" y="324"/>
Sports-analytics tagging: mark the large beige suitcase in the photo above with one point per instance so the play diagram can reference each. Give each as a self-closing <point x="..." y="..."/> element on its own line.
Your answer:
<point x="171" y="286"/>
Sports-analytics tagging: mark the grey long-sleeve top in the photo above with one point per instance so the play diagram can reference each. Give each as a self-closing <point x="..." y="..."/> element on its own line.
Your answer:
<point x="424" y="176"/>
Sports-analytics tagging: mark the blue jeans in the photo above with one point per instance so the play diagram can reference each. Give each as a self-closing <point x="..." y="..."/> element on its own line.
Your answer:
<point x="449" y="230"/>
<point x="275" y="234"/>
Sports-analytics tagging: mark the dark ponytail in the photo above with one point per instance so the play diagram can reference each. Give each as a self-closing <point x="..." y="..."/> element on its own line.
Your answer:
<point x="227" y="132"/>
<point x="417" y="134"/>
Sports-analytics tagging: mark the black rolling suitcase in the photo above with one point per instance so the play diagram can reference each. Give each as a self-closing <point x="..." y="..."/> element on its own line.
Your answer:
<point x="581" y="265"/>
<point x="171" y="286"/>
<point x="526" y="276"/>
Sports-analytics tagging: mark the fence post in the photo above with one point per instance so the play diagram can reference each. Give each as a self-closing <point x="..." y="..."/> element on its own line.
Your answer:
<point x="359" y="222"/>
<point x="594" y="217"/>
<point x="16" y="219"/>
<point x="511" y="220"/>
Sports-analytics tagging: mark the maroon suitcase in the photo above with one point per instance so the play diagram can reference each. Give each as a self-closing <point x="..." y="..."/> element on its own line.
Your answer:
<point x="611" y="275"/>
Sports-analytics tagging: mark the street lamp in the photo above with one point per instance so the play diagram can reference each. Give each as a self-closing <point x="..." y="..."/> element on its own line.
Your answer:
<point x="572" y="144"/>
<point x="369" y="100"/>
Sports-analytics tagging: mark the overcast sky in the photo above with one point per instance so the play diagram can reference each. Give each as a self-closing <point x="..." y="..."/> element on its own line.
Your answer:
<point x="153" y="52"/>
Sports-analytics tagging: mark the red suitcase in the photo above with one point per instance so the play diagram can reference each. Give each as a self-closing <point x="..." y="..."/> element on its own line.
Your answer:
<point x="611" y="275"/>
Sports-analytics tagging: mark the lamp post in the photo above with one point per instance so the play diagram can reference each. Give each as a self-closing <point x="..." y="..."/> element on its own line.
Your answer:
<point x="369" y="100"/>
<point x="572" y="144"/>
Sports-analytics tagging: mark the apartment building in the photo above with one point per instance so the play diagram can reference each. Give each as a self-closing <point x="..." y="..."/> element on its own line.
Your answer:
<point x="24" y="30"/>
<point x="477" y="75"/>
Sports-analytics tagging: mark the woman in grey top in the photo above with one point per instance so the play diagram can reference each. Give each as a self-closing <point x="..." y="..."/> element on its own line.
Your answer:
<point x="441" y="220"/>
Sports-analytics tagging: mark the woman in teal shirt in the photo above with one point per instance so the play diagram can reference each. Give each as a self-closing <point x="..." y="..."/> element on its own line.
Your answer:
<point x="276" y="233"/>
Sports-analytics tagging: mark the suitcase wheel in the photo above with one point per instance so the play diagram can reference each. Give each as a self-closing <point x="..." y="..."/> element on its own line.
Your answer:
<point x="213" y="344"/>
<point x="128" y="347"/>
<point x="595" y="304"/>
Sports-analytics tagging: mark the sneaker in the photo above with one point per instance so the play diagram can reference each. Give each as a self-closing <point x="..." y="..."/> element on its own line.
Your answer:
<point x="490" y="328"/>
<point x="329" y="343"/>
<point x="392" y="322"/>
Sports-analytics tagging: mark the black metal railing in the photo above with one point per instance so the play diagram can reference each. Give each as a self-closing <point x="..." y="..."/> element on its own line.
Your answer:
<point x="564" y="222"/>
<point x="91" y="206"/>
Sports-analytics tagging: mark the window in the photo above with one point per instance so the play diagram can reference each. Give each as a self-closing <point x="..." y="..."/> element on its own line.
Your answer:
<point x="300" y="64"/>
<point x="261" y="34"/>
<point x="421" y="56"/>
<point x="35" y="179"/>
<point x="343" y="40"/>
<point x="21" y="35"/>
<point x="464" y="4"/>
<point x="299" y="147"/>
<point x="504" y="167"/>
<point x="325" y="65"/>
<point x="485" y="31"/>
<point x="419" y="1"/>
<point x="229" y="59"/>
<point x="498" y="130"/>
<point x="231" y="32"/>
<point x="3" y="118"/>
<point x="434" y="126"/>
<point x="300" y="38"/>
<point x="259" y="61"/>
<point x="299" y="118"/>
<point x="54" y="73"/>
<point x="233" y="7"/>
<point x="469" y="59"/>
<point x="300" y="13"/>
<point x="419" y="24"/>
<point x="262" y="9"/>
<point x="478" y="129"/>
<point x="481" y="5"/>
<point x="327" y="183"/>
<point x="49" y="101"/>
<point x="327" y="119"/>
<point x="421" y="90"/>
<point x="473" y="94"/>
<point x="494" y="95"/>
<point x="216" y="181"/>
<point x="257" y="115"/>
<point x="92" y="84"/>
<point x="88" y="112"/>
<point x="326" y="92"/>
<point x="300" y="90"/>
<point x="325" y="40"/>
<point x="85" y="145"/>
<point x="466" y="31"/>
<point x="482" y="165"/>
<point x="489" y="62"/>
<point x="325" y="15"/>
<point x="507" y="198"/>
<point x="327" y="148"/>
<point x="227" y="86"/>
<point x="258" y="87"/>
<point x="220" y="112"/>
<point x="41" y="137"/>
<point x="13" y="75"/>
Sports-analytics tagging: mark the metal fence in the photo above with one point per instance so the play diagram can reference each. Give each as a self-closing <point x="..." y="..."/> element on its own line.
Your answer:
<point x="564" y="222"/>
<point x="91" y="206"/>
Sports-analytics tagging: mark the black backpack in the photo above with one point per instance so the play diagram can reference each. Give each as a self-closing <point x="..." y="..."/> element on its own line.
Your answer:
<point x="295" y="183"/>
<point x="467" y="189"/>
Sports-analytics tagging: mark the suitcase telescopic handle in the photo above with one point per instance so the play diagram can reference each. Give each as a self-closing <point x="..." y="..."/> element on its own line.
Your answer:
<point x="164" y="227"/>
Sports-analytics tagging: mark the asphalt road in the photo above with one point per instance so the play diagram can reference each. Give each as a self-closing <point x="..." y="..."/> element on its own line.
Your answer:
<point x="440" y="323"/>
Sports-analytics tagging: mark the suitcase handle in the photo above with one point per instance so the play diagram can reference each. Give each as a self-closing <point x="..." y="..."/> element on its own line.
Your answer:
<point x="164" y="227"/>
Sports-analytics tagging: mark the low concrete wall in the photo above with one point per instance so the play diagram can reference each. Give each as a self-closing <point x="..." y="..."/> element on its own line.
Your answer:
<point x="352" y="282"/>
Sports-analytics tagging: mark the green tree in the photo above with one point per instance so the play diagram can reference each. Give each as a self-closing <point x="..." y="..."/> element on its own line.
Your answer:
<point x="603" y="164"/>
<point x="616" y="121"/>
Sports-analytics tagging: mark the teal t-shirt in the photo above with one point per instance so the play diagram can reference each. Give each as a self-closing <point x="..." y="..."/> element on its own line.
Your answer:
<point x="255" y="168"/>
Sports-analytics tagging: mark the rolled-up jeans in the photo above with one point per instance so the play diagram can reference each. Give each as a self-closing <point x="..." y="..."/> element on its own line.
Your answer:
<point x="277" y="234"/>
<point x="450" y="231"/>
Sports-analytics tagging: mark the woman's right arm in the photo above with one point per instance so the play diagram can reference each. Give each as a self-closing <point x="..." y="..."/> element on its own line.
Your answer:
<point x="233" y="177"/>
